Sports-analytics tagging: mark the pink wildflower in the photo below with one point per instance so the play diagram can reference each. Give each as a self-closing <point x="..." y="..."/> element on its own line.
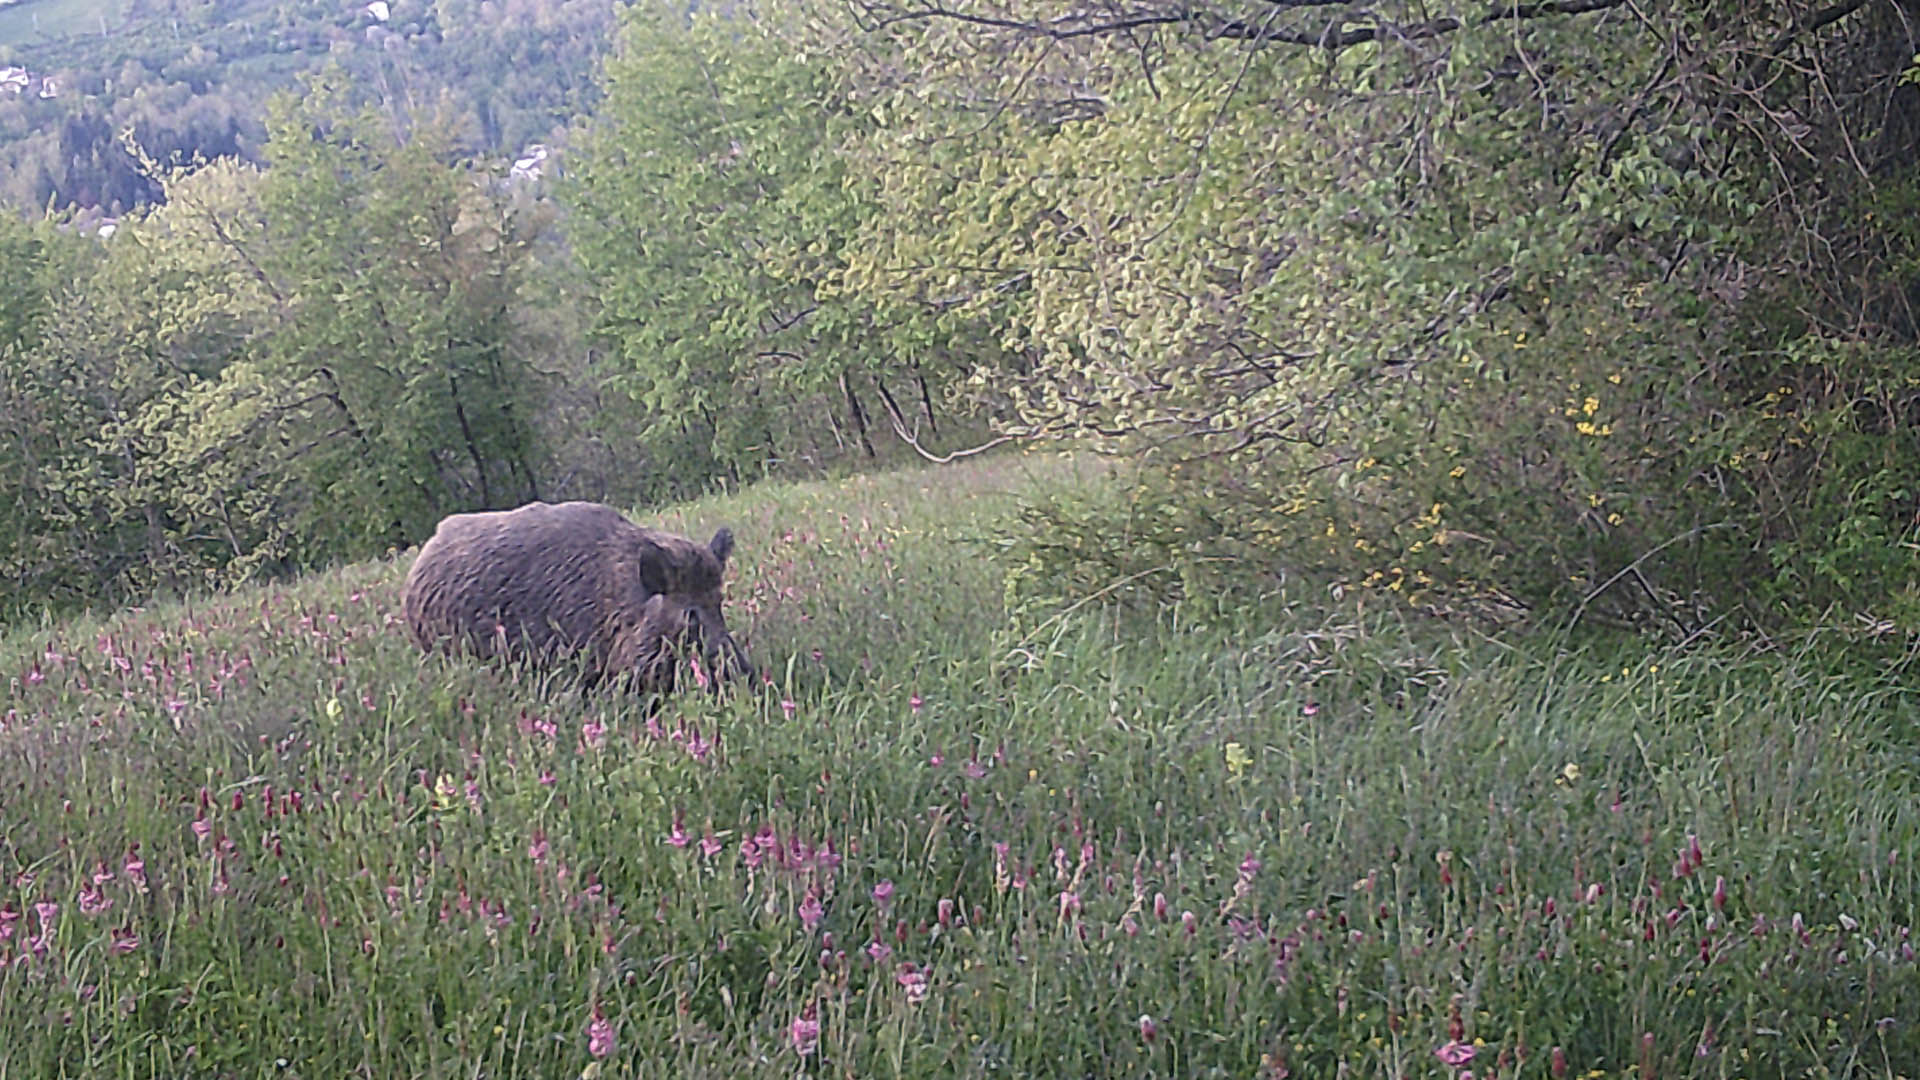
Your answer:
<point x="787" y="707"/>
<point x="811" y="912"/>
<point x="709" y="844"/>
<point x="1149" y="1030"/>
<point x="124" y="940"/>
<point x="537" y="848"/>
<point x="93" y="901"/>
<point x="915" y="983"/>
<point x="1454" y="1052"/>
<point x="804" y="1032"/>
<point x="599" y="1035"/>
<point x="879" y="950"/>
<point x="698" y="747"/>
<point x="882" y="893"/>
<point x="678" y="837"/>
<point x="914" y="703"/>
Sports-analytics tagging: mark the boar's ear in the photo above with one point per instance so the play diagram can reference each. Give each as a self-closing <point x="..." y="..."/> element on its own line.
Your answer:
<point x="653" y="573"/>
<point x="722" y="544"/>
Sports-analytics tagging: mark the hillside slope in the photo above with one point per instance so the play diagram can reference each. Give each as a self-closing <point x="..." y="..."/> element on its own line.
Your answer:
<point x="192" y="79"/>
<point x="256" y="832"/>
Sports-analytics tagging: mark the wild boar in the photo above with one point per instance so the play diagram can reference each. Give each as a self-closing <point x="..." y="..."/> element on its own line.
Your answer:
<point x="576" y="583"/>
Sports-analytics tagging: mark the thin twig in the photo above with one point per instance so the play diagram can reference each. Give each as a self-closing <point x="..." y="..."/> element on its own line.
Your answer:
<point x="1634" y="567"/>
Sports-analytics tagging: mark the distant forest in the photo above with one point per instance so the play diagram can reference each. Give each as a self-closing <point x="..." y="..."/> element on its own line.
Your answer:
<point x="189" y="78"/>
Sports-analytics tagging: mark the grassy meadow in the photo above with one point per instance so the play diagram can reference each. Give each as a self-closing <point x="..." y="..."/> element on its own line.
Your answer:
<point x="28" y="21"/>
<point x="254" y="834"/>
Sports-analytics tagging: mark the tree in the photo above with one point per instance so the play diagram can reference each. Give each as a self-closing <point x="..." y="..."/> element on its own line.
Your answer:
<point x="45" y="416"/>
<point x="1565" y="305"/>
<point x="275" y="368"/>
<point x="715" y="213"/>
<point x="394" y="277"/>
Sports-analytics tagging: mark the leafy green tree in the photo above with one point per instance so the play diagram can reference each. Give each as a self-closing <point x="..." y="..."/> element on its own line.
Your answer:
<point x="394" y="278"/>
<point x="1563" y="306"/>
<point x="716" y="209"/>
<point x="278" y="368"/>
<point x="45" y="416"/>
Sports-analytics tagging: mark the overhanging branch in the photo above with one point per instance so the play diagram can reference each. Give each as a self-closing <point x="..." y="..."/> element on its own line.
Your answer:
<point x="1336" y="35"/>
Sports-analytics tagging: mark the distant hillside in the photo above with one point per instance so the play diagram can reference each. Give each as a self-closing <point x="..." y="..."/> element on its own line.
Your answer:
<point x="190" y="77"/>
<point x="24" y="22"/>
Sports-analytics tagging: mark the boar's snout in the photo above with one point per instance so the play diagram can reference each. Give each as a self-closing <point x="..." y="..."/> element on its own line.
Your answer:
<point x="719" y="653"/>
<point x="732" y="662"/>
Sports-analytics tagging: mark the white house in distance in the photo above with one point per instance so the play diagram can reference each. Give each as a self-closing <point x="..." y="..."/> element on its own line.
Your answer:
<point x="379" y="10"/>
<point x="530" y="165"/>
<point x="15" y="79"/>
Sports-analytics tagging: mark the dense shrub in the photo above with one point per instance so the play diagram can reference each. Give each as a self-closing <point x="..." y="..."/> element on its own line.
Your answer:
<point x="1604" y="314"/>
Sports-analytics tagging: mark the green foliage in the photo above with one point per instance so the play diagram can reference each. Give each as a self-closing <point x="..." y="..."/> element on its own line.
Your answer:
<point x="1827" y="452"/>
<point x="1290" y="836"/>
<point x="46" y="406"/>
<point x="277" y="369"/>
<point x="717" y="209"/>
<point x="399" y="275"/>
<point x="1487" y="321"/>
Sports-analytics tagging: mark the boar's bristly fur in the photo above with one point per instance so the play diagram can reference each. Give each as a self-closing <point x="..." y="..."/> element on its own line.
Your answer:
<point x="574" y="582"/>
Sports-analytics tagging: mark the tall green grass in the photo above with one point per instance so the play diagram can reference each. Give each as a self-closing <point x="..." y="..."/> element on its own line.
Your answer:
<point x="257" y="834"/>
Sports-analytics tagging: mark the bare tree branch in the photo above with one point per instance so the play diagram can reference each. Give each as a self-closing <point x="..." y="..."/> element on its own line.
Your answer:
<point x="1813" y="21"/>
<point x="1336" y="35"/>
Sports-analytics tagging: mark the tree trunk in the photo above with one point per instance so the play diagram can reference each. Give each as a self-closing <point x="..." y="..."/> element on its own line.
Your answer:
<point x="893" y="407"/>
<point x="859" y="414"/>
<point x="473" y="448"/>
<point x="926" y="402"/>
